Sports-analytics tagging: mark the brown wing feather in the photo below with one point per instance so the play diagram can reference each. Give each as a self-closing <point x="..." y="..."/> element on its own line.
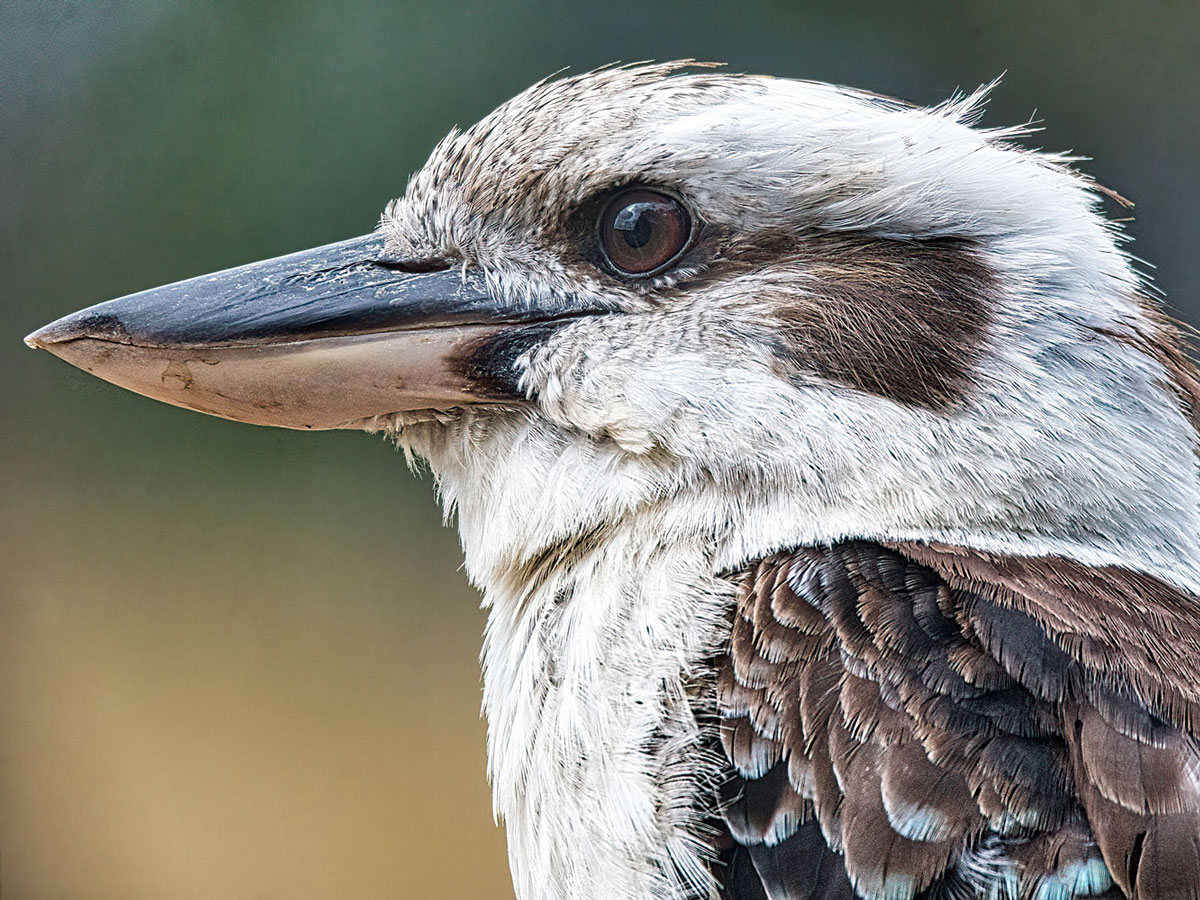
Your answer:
<point x="917" y="720"/>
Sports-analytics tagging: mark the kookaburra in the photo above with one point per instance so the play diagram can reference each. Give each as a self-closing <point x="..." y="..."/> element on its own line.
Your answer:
<point x="829" y="477"/>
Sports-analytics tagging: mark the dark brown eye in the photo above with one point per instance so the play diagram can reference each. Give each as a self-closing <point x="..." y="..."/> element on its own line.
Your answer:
<point x="641" y="231"/>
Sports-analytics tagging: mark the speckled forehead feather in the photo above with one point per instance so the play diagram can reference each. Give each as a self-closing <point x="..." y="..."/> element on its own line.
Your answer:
<point x="750" y="151"/>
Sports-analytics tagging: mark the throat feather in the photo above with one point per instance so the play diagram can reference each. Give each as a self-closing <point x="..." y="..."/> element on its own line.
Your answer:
<point x="597" y="693"/>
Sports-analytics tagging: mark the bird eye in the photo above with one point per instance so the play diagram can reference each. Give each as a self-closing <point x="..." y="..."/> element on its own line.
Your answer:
<point x="641" y="231"/>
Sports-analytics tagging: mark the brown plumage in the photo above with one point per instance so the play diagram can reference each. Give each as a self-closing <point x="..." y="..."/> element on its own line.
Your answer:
<point x="958" y="722"/>
<point x="900" y="319"/>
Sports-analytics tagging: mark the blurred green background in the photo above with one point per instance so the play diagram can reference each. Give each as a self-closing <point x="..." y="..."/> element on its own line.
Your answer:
<point x="242" y="663"/>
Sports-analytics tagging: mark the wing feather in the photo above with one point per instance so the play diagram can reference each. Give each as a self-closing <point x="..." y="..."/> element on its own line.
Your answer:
<point x="917" y="720"/>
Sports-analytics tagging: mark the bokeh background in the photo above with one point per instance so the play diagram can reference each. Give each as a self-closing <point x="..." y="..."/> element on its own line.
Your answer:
<point x="242" y="663"/>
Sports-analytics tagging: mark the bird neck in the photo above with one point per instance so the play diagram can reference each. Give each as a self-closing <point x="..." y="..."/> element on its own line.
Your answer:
<point x="596" y="690"/>
<point x="605" y="607"/>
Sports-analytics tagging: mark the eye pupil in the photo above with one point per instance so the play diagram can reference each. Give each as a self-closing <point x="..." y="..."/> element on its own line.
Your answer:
<point x="642" y="231"/>
<point x="634" y="224"/>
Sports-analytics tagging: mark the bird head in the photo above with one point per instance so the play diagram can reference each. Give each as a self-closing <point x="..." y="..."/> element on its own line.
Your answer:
<point x="766" y="311"/>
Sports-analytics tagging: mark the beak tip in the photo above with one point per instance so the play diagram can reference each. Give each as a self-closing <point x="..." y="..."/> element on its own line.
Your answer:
<point x="59" y="332"/>
<point x="40" y="339"/>
<point x="84" y="324"/>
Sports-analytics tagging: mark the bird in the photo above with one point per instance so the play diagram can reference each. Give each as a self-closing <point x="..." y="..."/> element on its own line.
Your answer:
<point x="826" y="465"/>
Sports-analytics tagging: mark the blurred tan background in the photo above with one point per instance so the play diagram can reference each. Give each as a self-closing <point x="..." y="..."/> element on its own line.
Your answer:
<point x="242" y="663"/>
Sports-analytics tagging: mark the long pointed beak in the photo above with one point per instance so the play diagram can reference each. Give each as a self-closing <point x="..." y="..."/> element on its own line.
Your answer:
<point x="326" y="338"/>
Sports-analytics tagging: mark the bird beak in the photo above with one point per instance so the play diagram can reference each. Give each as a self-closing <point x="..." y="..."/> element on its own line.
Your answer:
<point x="326" y="338"/>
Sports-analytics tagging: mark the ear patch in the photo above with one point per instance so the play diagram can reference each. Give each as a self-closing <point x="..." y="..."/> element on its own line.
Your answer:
<point x="903" y="319"/>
